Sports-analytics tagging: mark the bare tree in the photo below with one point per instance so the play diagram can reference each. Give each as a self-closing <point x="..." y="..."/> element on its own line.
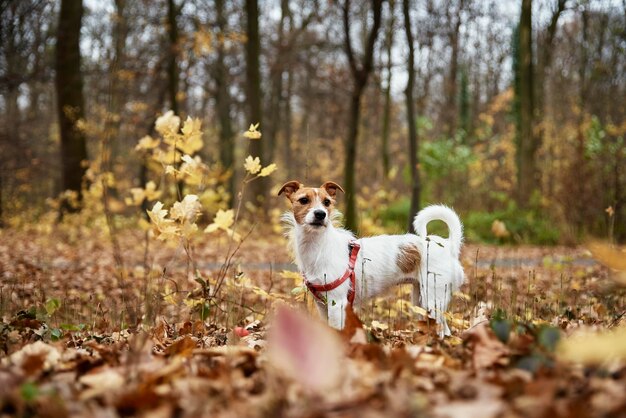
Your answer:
<point x="410" y="114"/>
<point x="527" y="141"/>
<point x="253" y="87"/>
<point x="360" y="70"/>
<point x="172" y="63"/>
<point x="276" y="82"/>
<point x="388" y="45"/>
<point x="70" y="101"/>
<point x="450" y="111"/>
<point x="173" y="71"/>
<point x="223" y="100"/>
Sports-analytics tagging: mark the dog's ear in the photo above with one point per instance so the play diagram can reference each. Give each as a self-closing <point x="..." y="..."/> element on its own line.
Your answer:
<point x="331" y="187"/>
<point x="289" y="188"/>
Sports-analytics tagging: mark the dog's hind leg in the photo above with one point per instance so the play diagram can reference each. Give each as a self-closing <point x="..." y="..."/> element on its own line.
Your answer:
<point x="436" y="309"/>
<point x="416" y="298"/>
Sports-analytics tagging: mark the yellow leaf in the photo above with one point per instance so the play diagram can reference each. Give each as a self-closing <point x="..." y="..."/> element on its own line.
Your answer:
<point x="168" y="295"/>
<point x="187" y="210"/>
<point x="169" y="169"/>
<point x="293" y="275"/>
<point x="167" y="123"/>
<point x="418" y="310"/>
<point x="192" y="136"/>
<point x="594" y="348"/>
<point x="151" y="191"/>
<point x="498" y="228"/>
<point x="138" y="194"/>
<point x="164" y="228"/>
<point x="252" y="132"/>
<point x="379" y="325"/>
<point x="608" y="256"/>
<point x="147" y="143"/>
<point x="610" y="211"/>
<point x="193" y="302"/>
<point x="252" y="165"/>
<point x="224" y="219"/>
<point x="268" y="170"/>
<point x="193" y="169"/>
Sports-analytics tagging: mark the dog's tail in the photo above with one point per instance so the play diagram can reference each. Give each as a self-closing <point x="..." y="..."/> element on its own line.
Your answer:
<point x="447" y="215"/>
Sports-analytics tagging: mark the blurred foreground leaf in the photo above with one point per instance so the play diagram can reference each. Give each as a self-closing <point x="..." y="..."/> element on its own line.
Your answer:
<point x="594" y="348"/>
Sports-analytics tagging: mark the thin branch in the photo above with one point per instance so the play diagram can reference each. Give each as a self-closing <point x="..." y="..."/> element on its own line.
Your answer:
<point x="377" y="6"/>
<point x="348" y="40"/>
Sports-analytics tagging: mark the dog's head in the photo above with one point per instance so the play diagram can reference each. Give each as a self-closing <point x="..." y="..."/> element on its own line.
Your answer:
<point x="312" y="207"/>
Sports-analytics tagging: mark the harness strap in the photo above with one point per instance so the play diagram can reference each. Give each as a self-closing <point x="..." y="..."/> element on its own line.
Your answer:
<point x="317" y="289"/>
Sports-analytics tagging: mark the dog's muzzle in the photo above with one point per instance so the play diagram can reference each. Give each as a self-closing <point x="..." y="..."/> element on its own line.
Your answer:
<point x="318" y="218"/>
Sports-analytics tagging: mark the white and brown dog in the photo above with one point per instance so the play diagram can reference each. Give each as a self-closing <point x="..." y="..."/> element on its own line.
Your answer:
<point x="340" y="270"/>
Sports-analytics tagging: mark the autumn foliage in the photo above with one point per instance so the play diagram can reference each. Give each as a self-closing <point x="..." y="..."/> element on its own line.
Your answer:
<point x="144" y="268"/>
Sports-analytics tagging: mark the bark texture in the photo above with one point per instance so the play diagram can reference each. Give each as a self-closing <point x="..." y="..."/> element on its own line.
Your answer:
<point x="70" y="101"/>
<point x="360" y="73"/>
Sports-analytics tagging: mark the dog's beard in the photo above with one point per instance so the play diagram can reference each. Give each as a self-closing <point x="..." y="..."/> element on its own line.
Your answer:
<point x="289" y="222"/>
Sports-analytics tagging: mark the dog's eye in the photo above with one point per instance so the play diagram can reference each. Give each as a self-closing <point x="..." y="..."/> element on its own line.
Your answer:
<point x="303" y="200"/>
<point x="326" y="202"/>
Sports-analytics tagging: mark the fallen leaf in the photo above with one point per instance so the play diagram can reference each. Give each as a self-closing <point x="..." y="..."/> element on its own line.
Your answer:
<point x="101" y="382"/>
<point x="584" y="347"/>
<point x="305" y="350"/>
<point x="488" y="350"/>
<point x="241" y="332"/>
<point x="182" y="347"/>
<point x="36" y="357"/>
<point x="607" y="255"/>
<point x="474" y="408"/>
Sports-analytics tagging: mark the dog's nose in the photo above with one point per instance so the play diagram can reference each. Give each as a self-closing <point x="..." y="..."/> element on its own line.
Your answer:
<point x="319" y="215"/>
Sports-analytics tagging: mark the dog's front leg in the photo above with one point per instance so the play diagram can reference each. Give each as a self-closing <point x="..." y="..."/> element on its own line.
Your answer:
<point x="337" y="313"/>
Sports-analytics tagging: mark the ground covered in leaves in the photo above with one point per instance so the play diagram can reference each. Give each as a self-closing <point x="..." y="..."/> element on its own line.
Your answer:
<point x="156" y="330"/>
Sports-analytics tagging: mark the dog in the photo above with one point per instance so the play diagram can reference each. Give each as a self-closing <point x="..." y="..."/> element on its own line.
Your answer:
<point x="341" y="270"/>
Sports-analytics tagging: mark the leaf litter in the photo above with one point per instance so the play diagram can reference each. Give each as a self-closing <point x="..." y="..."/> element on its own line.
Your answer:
<point x="78" y="338"/>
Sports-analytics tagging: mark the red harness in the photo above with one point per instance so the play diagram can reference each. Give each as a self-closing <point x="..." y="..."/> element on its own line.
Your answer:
<point x="317" y="289"/>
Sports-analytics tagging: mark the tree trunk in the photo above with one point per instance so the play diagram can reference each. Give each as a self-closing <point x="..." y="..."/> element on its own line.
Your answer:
<point x="274" y="122"/>
<point x="289" y="163"/>
<point x="410" y="113"/>
<point x="464" y="106"/>
<point x="1" y="203"/>
<point x="545" y="61"/>
<point x="527" y="144"/>
<point x="70" y="102"/>
<point x="116" y="86"/>
<point x="541" y="114"/>
<point x="387" y="93"/>
<point x="580" y="168"/>
<point x="360" y="74"/>
<point x="253" y="89"/>
<point x="223" y="103"/>
<point x="450" y="111"/>
<point x="172" y="62"/>
<point x="350" y="159"/>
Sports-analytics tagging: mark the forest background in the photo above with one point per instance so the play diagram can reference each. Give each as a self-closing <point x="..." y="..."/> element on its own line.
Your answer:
<point x="144" y="270"/>
<point x="512" y="113"/>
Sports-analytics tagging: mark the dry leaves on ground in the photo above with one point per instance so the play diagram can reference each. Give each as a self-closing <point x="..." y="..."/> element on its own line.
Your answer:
<point x="69" y="346"/>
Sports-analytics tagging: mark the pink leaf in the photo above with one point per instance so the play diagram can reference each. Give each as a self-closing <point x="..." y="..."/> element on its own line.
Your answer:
<point x="305" y="350"/>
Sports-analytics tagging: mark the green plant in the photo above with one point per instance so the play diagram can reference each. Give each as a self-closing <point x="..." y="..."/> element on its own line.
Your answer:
<point x="523" y="225"/>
